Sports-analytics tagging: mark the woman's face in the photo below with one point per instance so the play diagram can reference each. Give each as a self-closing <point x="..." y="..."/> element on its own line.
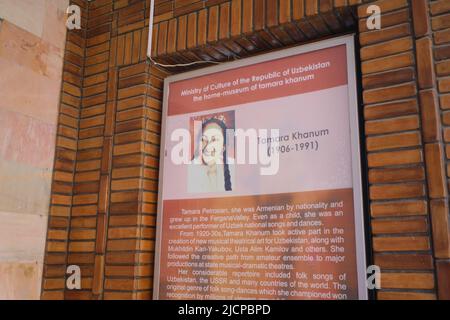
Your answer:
<point x="212" y="144"/>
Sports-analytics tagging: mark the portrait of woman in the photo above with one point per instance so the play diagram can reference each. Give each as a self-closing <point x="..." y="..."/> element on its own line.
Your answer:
<point x="211" y="170"/>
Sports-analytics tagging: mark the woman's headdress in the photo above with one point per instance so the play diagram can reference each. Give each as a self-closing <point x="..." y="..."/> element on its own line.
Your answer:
<point x="219" y="117"/>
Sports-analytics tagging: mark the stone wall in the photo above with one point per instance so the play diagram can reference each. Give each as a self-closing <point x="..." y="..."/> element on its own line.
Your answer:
<point x="32" y="40"/>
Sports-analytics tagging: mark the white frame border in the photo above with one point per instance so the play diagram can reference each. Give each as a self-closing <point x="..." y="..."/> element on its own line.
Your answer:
<point x="358" y="199"/>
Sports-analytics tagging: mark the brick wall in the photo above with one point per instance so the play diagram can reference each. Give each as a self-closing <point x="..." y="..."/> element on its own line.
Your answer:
<point x="103" y="209"/>
<point x="437" y="37"/>
<point x="56" y="254"/>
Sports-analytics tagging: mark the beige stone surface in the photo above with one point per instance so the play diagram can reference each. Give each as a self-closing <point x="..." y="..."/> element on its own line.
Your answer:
<point x="32" y="40"/>
<point x="27" y="14"/>
<point x="22" y="237"/>
<point x="54" y="30"/>
<point x="24" y="189"/>
<point x="26" y="140"/>
<point x="20" y="280"/>
<point x="60" y="4"/>
<point x="20" y="47"/>
<point x="41" y="92"/>
<point x="31" y="74"/>
<point x="35" y="16"/>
